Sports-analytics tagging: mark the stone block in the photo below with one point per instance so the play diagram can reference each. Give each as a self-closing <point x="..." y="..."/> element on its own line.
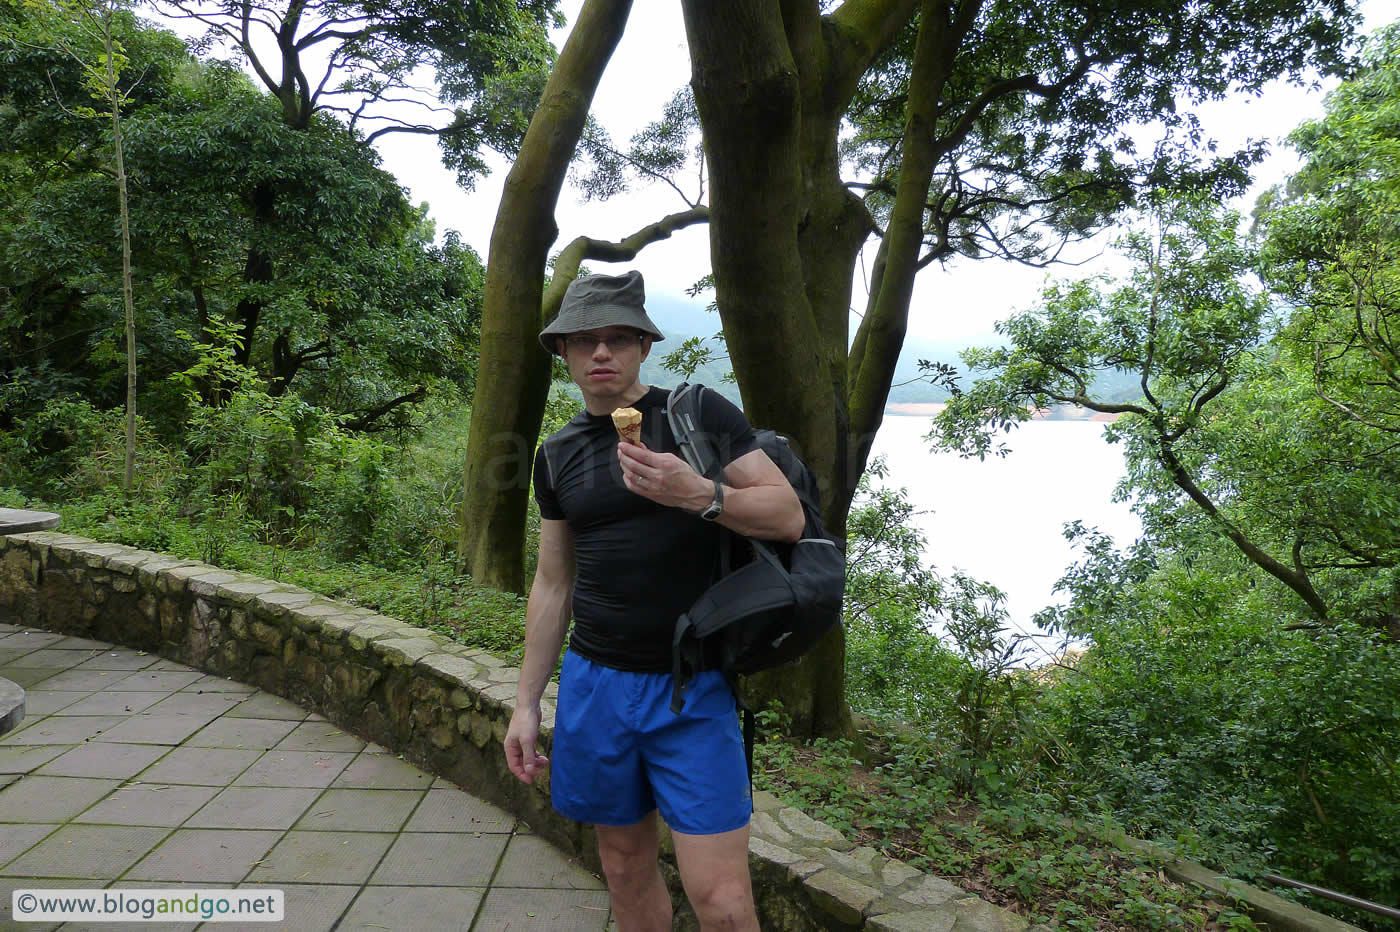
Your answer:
<point x="442" y="737"/>
<point x="354" y="680"/>
<point x="771" y="852"/>
<point x="360" y="636"/>
<point x="336" y="627"/>
<point x="975" y="915"/>
<point x="843" y="897"/>
<point x="128" y="562"/>
<point x="267" y="635"/>
<point x="921" y="921"/>
<point x="476" y="727"/>
<point x="932" y="892"/>
<point x="401" y="651"/>
<point x="809" y="830"/>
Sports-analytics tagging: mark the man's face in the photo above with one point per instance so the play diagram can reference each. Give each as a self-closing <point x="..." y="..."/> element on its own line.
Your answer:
<point x="605" y="362"/>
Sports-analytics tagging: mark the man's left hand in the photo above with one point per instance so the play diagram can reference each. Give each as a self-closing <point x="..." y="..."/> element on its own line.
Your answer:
<point x="663" y="478"/>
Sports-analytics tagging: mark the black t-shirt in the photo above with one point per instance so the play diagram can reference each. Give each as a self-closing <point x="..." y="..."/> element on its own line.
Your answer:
<point x="640" y="565"/>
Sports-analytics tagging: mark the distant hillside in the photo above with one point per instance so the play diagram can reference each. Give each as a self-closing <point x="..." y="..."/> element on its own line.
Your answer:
<point x="681" y="318"/>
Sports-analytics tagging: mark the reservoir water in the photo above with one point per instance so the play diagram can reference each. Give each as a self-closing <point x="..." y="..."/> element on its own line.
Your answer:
<point x="1000" y="519"/>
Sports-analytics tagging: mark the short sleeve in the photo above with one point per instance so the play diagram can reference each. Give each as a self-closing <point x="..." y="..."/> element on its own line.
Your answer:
<point x="545" y="495"/>
<point x="726" y="424"/>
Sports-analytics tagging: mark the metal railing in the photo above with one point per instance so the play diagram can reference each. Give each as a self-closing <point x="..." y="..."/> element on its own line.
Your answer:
<point x="1377" y="908"/>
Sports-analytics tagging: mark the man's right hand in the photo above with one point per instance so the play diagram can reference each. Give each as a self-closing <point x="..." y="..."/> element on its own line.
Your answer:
<point x="521" y="736"/>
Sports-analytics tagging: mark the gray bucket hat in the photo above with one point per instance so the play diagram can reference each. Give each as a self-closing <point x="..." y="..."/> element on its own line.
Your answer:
<point x="601" y="301"/>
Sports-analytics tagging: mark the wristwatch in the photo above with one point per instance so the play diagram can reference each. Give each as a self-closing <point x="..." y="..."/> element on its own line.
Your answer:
<point x="712" y="511"/>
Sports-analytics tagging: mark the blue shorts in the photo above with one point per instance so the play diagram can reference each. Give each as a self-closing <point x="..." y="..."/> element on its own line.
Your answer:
<point x="619" y="751"/>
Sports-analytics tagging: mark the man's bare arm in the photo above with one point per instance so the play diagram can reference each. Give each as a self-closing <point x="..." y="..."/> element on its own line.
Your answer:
<point x="547" y="617"/>
<point x="758" y="499"/>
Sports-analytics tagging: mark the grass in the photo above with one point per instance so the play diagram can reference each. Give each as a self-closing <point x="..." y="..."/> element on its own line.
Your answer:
<point x="1017" y="851"/>
<point x="430" y="595"/>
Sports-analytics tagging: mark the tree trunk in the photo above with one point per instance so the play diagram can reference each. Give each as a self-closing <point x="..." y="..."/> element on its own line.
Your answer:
<point x="882" y="333"/>
<point x="128" y="299"/>
<point x="744" y="75"/>
<point x="513" y="378"/>
<point x="257" y="270"/>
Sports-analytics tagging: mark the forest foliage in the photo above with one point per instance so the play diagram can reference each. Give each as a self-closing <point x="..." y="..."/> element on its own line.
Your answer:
<point x="1234" y="687"/>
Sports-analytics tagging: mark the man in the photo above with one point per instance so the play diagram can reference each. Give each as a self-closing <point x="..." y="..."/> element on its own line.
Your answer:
<point x="629" y="539"/>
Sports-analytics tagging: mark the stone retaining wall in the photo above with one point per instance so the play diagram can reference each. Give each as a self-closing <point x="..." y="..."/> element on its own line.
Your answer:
<point x="443" y="706"/>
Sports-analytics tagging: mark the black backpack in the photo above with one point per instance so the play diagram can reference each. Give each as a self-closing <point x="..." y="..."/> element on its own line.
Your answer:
<point x="773" y="600"/>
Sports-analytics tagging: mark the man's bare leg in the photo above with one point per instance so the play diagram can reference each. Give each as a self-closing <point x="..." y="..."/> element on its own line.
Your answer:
<point x="640" y="900"/>
<point x="715" y="872"/>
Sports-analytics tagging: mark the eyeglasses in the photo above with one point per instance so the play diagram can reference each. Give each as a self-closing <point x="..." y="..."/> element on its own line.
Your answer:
<point x="589" y="341"/>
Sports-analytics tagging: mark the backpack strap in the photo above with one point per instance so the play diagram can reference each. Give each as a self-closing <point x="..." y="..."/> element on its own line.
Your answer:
<point x="683" y="416"/>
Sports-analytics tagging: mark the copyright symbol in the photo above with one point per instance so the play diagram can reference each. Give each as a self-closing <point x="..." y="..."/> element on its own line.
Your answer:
<point x="26" y="903"/>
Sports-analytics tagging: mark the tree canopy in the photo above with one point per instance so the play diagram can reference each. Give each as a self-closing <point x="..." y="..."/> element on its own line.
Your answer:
<point x="360" y="310"/>
<point x="929" y="129"/>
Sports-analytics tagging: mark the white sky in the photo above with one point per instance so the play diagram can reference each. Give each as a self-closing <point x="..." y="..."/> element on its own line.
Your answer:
<point x="957" y="305"/>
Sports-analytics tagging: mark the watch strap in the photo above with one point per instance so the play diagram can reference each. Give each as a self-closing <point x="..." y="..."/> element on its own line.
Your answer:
<point x="716" y="506"/>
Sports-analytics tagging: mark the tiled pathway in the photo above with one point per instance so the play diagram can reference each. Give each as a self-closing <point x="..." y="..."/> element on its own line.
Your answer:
<point x="130" y="771"/>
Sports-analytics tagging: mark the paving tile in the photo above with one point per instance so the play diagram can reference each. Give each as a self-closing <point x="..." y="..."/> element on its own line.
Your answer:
<point x="31" y="637"/>
<point x="451" y="810"/>
<point x="22" y="758"/>
<point x="322" y="857"/>
<point x="208" y="706"/>
<point x="98" y="759"/>
<point x="530" y="861"/>
<point x="113" y="702"/>
<point x="319" y="736"/>
<point x="76" y="643"/>
<point x="306" y="908"/>
<point x="16" y="839"/>
<point x="155" y="729"/>
<point x="8" y="886"/>
<point x="353" y="810"/>
<point x="218" y="684"/>
<point x="30" y="676"/>
<point x="205" y="766"/>
<point x="106" y="852"/>
<point x="266" y="705"/>
<point x="446" y="909"/>
<point x="552" y="910"/>
<point x="51" y="799"/>
<point x="85" y="680"/>
<point x="119" y="660"/>
<point x="419" y="859"/>
<point x="295" y="768"/>
<point x="56" y="659"/>
<point x="9" y="655"/>
<point x="156" y="681"/>
<point x="216" y="857"/>
<point x="250" y="807"/>
<point x="164" y="665"/>
<point x="49" y="701"/>
<point x="241" y="733"/>
<point x="149" y="804"/>
<point x="63" y="729"/>
<point x="382" y="772"/>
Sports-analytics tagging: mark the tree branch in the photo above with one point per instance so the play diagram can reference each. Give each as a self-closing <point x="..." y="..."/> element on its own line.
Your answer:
<point x="366" y="421"/>
<point x="566" y="265"/>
